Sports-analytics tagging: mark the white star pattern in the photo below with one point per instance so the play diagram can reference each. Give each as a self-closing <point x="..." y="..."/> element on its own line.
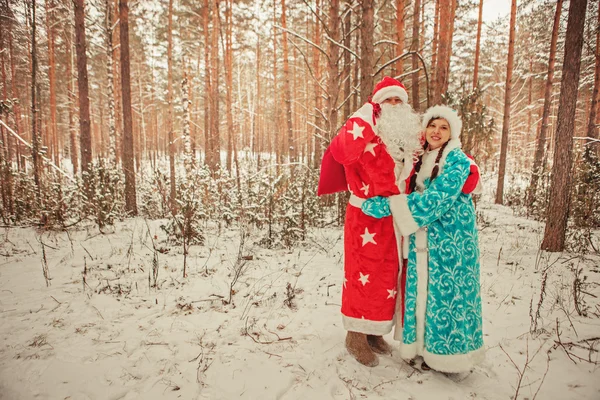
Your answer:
<point x="367" y="237"/>
<point x="357" y="131"/>
<point x="365" y="189"/>
<point x="345" y="281"/>
<point x="370" y="148"/>
<point x="392" y="293"/>
<point x="364" y="279"/>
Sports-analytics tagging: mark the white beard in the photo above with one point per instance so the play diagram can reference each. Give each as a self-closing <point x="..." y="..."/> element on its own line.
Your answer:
<point x="399" y="128"/>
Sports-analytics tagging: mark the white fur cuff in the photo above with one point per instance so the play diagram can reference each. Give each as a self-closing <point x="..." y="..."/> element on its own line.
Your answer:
<point x="408" y="351"/>
<point x="454" y="363"/>
<point x="366" y="326"/>
<point x="403" y="218"/>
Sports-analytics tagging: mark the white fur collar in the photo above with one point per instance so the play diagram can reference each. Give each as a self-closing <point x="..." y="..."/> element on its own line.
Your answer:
<point x="429" y="162"/>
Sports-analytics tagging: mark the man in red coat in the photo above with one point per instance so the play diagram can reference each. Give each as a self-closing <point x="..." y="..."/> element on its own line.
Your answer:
<point x="376" y="147"/>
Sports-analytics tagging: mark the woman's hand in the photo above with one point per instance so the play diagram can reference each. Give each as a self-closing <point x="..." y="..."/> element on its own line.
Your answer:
<point x="376" y="207"/>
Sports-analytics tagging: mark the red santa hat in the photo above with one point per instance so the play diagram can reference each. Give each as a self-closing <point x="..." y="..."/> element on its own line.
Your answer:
<point x="446" y="113"/>
<point x="388" y="88"/>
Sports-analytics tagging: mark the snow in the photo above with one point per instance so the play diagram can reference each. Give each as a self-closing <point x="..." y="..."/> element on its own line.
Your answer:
<point x="118" y="338"/>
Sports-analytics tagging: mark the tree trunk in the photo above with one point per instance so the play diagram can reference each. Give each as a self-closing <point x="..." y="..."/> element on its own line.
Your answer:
<point x="13" y="79"/>
<point x="333" y="76"/>
<point x="156" y="138"/>
<point x="112" y="135"/>
<point x="592" y="128"/>
<point x="541" y="144"/>
<point x="85" y="136"/>
<point x="170" y="116"/>
<point x="117" y="83"/>
<point x="6" y="159"/>
<point x="347" y="63"/>
<point x="187" y="144"/>
<point x="415" y="60"/>
<point x="277" y="138"/>
<point x="140" y="138"/>
<point x="441" y="79"/>
<point x="214" y="94"/>
<point x="130" y="195"/>
<point x="73" y="150"/>
<point x="207" y="84"/>
<point x="478" y="46"/>
<point x="53" y="136"/>
<point x="435" y="46"/>
<point x="527" y="138"/>
<point x="560" y="188"/>
<point x="257" y="108"/>
<point x="286" y="87"/>
<point x="318" y="136"/>
<point x="367" y="56"/>
<point x="35" y="137"/>
<point x="450" y="40"/>
<point x="400" y="36"/>
<point x="507" y="98"/>
<point x="229" y="72"/>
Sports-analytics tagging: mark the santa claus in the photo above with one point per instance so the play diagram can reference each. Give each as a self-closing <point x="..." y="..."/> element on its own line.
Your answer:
<point x="371" y="156"/>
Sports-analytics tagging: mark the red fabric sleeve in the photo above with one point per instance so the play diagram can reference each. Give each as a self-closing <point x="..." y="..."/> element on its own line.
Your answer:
<point x="472" y="179"/>
<point x="350" y="142"/>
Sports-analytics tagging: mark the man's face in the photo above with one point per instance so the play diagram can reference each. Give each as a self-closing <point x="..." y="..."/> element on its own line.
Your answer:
<point x="393" y="101"/>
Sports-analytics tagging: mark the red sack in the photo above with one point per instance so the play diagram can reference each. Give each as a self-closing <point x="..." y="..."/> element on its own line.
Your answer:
<point x="333" y="176"/>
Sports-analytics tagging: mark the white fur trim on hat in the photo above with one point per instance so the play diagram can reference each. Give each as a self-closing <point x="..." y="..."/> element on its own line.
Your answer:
<point x="388" y="92"/>
<point x="446" y="113"/>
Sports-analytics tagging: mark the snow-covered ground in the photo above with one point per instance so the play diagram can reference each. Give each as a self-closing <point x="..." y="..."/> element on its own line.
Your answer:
<point x="281" y="337"/>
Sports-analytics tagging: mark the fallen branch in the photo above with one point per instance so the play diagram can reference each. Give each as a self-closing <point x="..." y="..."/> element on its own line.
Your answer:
<point x="215" y="297"/>
<point x="246" y="333"/>
<point x="560" y="343"/>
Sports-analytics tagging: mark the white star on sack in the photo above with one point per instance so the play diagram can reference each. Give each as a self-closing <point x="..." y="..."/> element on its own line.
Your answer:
<point x="370" y="148"/>
<point x="367" y="237"/>
<point x="364" y="279"/>
<point x="365" y="189"/>
<point x="392" y="293"/>
<point x="357" y="131"/>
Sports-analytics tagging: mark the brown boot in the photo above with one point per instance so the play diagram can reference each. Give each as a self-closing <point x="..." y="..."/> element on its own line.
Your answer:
<point x="357" y="345"/>
<point x="379" y="345"/>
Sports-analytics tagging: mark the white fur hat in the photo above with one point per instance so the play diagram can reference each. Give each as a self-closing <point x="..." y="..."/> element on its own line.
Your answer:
<point x="446" y="113"/>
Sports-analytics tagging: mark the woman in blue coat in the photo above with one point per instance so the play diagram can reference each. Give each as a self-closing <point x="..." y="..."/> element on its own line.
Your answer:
<point x="442" y="319"/>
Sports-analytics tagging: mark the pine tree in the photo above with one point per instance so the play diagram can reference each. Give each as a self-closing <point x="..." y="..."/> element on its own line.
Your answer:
<point x="85" y="135"/>
<point x="128" y="165"/>
<point x="507" y="100"/>
<point x="558" y="210"/>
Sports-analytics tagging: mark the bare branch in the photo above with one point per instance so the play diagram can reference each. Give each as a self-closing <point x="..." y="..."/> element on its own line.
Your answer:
<point x="303" y="38"/>
<point x="343" y="47"/>
<point x="308" y="66"/>
<point x="402" y="56"/>
<point x="352" y="93"/>
<point x="386" y="41"/>
<point x="323" y="23"/>
<point x="16" y="135"/>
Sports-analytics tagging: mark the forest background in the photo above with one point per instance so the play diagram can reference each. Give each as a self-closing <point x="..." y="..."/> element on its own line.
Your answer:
<point x="221" y="110"/>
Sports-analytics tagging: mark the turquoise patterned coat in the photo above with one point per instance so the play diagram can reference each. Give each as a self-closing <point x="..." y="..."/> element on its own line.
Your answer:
<point x="442" y="309"/>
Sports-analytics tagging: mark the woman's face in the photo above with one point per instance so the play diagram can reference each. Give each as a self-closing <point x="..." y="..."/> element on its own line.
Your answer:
<point x="437" y="133"/>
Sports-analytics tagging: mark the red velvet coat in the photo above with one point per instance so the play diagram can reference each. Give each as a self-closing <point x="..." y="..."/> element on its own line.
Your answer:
<point x="371" y="250"/>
